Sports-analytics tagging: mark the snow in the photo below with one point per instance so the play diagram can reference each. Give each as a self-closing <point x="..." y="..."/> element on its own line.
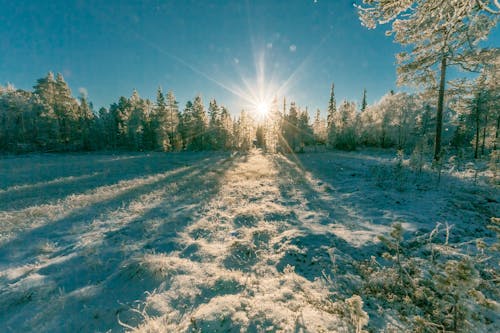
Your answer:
<point x="209" y="241"/>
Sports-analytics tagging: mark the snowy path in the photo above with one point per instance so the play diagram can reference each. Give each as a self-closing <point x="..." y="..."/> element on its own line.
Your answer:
<point x="236" y="270"/>
<point x="195" y="242"/>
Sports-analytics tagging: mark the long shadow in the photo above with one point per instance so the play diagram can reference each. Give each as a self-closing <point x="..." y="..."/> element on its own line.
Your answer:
<point x="111" y="268"/>
<point x="84" y="173"/>
<point x="309" y="250"/>
<point x="38" y="168"/>
<point x="412" y="195"/>
<point x="12" y="251"/>
<point x="342" y="201"/>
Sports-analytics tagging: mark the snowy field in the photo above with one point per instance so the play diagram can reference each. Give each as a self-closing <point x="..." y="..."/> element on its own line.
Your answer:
<point x="214" y="242"/>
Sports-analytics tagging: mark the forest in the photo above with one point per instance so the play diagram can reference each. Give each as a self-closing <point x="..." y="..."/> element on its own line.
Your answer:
<point x="50" y="119"/>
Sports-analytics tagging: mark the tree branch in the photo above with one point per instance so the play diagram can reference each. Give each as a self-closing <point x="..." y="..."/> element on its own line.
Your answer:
<point x="488" y="9"/>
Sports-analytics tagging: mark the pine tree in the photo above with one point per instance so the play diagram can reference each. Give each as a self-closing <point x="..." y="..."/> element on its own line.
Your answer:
<point x="17" y="120"/>
<point x="186" y="125"/>
<point x="345" y="123"/>
<point x="136" y="122"/>
<point x="214" y="126"/>
<point x="172" y="121"/>
<point x="439" y="34"/>
<point x="198" y="125"/>
<point x="86" y="124"/>
<point x="161" y="122"/>
<point x="273" y="129"/>
<point x="44" y="96"/>
<point x="226" y="123"/>
<point x="319" y="128"/>
<point x="120" y="114"/>
<point x="330" y="119"/>
<point x="363" y="101"/>
<point x="305" y="131"/>
<point x="105" y="131"/>
<point x="65" y="109"/>
<point x="290" y="128"/>
<point x="243" y="132"/>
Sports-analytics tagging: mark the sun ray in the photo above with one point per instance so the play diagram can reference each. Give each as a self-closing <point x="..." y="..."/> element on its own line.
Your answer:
<point x="255" y="94"/>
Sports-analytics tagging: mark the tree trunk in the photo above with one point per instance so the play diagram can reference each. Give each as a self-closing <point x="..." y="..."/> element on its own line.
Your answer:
<point x="483" y="144"/>
<point x="496" y="134"/>
<point x="439" y="114"/>
<point x="476" y="149"/>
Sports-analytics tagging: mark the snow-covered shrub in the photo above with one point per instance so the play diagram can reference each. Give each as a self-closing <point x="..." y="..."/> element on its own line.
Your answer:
<point x="359" y="318"/>
<point x="442" y="292"/>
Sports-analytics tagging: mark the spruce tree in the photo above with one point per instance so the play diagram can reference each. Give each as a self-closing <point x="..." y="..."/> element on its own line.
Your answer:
<point x="330" y="119"/>
<point x="199" y="125"/>
<point x="186" y="126"/>
<point x="172" y="121"/>
<point x="214" y="126"/>
<point x="290" y="128"/>
<point x="136" y="122"/>
<point x="161" y="122"/>
<point x="363" y="101"/>
<point x="44" y="95"/>
<point x="226" y="134"/>
<point x="65" y="108"/>
<point x="86" y="124"/>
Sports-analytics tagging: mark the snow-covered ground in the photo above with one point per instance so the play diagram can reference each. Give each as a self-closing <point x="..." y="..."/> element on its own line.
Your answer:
<point x="211" y="242"/>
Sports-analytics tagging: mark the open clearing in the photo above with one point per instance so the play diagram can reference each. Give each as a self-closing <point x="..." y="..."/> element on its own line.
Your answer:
<point x="208" y="241"/>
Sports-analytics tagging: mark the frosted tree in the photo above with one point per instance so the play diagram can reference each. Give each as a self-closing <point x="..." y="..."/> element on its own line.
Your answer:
<point x="86" y="124"/>
<point x="161" y="122"/>
<point x="491" y="89"/>
<point x="226" y="126"/>
<point x="305" y="131"/>
<point x="344" y="121"/>
<point x="44" y="93"/>
<point x="273" y="127"/>
<point x="186" y="125"/>
<point x="243" y="132"/>
<point x="45" y="88"/>
<point x="172" y="120"/>
<point x="199" y="125"/>
<point x="479" y="113"/>
<point x="136" y="122"/>
<point x="437" y="34"/>
<point x="120" y="114"/>
<point x="319" y="128"/>
<point x="367" y="135"/>
<point x="65" y="108"/>
<point x="214" y="125"/>
<point x="290" y="128"/>
<point x="482" y="109"/>
<point x="104" y="129"/>
<point x="17" y="120"/>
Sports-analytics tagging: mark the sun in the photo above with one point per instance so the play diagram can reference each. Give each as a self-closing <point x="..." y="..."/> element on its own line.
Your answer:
<point x="262" y="108"/>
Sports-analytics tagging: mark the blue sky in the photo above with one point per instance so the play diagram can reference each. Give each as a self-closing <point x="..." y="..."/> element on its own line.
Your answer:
<point x="109" y="48"/>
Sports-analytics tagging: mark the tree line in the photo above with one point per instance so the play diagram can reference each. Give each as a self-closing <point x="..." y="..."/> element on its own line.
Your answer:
<point x="50" y="119"/>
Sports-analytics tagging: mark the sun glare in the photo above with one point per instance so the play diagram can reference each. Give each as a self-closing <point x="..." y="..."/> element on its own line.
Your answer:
<point x="262" y="108"/>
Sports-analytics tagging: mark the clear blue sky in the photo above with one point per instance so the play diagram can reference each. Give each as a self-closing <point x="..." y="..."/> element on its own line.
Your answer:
<point x="209" y="47"/>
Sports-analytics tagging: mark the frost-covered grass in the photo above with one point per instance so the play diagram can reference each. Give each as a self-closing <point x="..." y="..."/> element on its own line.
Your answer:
<point x="215" y="242"/>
